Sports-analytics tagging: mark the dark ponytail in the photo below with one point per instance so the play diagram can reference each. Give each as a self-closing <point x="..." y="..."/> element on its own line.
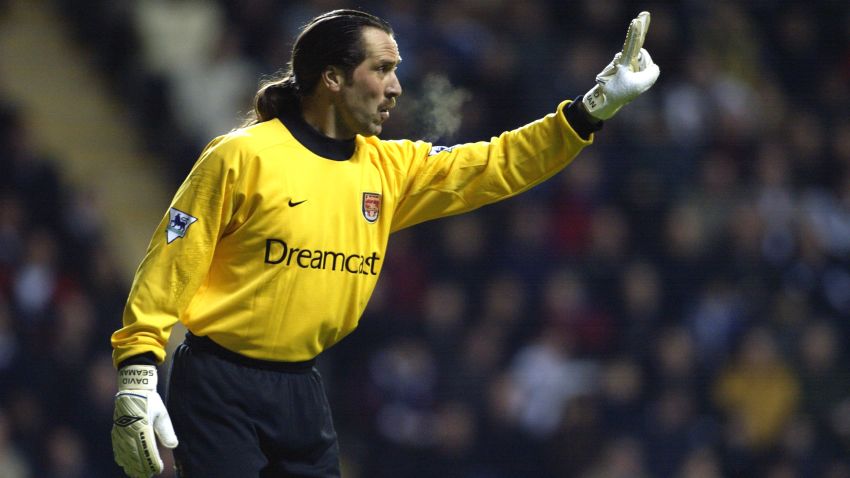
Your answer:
<point x="276" y="97"/>
<point x="331" y="39"/>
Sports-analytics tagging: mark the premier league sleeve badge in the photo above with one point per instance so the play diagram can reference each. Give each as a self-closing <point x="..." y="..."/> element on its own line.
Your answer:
<point x="178" y="224"/>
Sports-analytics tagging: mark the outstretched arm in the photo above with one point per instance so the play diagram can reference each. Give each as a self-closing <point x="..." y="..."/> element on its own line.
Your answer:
<point x="437" y="181"/>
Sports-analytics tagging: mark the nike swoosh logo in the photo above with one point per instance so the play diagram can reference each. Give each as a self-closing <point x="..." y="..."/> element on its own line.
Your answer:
<point x="293" y="204"/>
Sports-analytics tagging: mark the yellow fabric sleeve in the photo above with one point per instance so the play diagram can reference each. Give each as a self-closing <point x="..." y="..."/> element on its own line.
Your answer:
<point x="448" y="181"/>
<point x="172" y="272"/>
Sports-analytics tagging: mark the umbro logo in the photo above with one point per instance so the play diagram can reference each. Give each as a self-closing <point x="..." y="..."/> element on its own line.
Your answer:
<point x="293" y="204"/>
<point x="126" y="420"/>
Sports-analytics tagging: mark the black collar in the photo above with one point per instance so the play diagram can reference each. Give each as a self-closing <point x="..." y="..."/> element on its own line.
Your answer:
<point x="319" y="144"/>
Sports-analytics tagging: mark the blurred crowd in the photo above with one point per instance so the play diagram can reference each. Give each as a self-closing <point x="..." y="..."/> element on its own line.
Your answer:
<point x="674" y="304"/>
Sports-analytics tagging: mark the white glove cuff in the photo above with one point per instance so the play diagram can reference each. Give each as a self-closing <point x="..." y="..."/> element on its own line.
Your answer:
<point x="137" y="377"/>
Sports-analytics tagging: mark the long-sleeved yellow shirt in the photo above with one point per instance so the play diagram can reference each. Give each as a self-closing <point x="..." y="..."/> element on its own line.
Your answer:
<point x="273" y="251"/>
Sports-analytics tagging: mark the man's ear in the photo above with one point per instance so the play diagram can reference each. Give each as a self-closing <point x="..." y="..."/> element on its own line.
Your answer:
<point x="333" y="78"/>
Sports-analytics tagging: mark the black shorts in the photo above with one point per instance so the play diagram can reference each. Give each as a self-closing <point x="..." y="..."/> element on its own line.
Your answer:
<point x="237" y="417"/>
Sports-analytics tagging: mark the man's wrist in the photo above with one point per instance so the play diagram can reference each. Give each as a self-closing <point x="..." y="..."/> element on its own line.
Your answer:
<point x="147" y="358"/>
<point x="581" y="121"/>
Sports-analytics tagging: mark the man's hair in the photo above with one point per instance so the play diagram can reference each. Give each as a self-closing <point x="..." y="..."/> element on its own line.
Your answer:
<point x="331" y="39"/>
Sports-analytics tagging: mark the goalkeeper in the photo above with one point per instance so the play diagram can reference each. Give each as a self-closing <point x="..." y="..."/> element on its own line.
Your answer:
<point x="274" y="242"/>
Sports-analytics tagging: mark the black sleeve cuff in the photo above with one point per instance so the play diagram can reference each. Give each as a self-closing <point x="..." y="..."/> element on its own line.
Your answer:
<point x="580" y="120"/>
<point x="147" y="358"/>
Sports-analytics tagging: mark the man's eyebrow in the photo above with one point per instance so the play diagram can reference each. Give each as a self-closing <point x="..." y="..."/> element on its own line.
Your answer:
<point x="387" y="62"/>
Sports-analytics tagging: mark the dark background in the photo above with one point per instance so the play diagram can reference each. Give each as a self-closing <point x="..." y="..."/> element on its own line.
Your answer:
<point x="674" y="304"/>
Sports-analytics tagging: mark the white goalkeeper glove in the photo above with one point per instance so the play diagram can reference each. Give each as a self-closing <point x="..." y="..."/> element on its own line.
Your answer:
<point x="139" y="412"/>
<point x="630" y="73"/>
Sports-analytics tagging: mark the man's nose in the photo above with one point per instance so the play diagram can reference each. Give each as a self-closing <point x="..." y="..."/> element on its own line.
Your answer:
<point x="394" y="88"/>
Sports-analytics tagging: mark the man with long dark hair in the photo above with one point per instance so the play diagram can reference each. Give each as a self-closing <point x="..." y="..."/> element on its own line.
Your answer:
<point x="274" y="243"/>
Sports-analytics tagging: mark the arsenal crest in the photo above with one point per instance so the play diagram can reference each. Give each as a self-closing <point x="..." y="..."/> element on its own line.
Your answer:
<point x="371" y="206"/>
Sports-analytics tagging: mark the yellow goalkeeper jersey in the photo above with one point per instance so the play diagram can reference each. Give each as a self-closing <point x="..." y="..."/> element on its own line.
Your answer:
<point x="272" y="248"/>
